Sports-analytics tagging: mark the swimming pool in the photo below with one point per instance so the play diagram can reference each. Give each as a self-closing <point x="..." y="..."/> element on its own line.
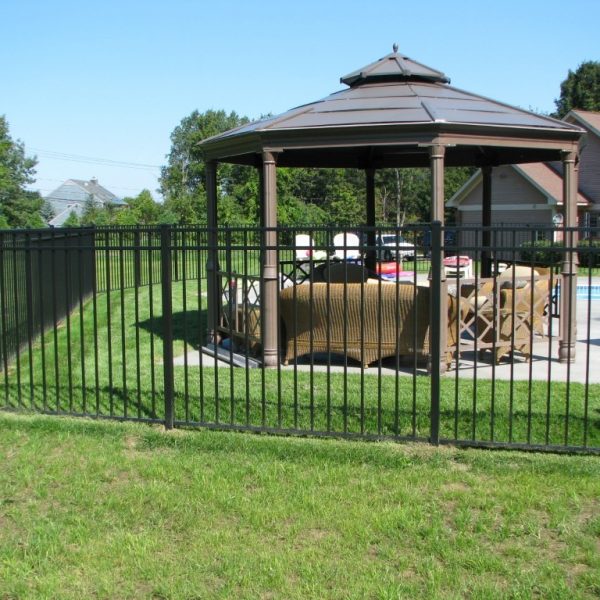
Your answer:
<point x="585" y="291"/>
<point x="588" y="291"/>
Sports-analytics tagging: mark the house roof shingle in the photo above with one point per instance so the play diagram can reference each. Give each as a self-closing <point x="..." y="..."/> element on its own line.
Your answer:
<point x="548" y="181"/>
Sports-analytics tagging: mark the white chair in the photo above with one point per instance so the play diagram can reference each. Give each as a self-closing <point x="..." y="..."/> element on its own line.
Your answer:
<point x="458" y="266"/>
<point x="347" y="246"/>
<point x="304" y="247"/>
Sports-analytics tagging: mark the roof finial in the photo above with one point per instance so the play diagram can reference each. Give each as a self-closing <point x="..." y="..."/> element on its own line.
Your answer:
<point x="395" y="47"/>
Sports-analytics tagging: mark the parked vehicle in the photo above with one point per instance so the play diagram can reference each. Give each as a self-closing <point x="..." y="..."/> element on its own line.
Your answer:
<point x="392" y="247"/>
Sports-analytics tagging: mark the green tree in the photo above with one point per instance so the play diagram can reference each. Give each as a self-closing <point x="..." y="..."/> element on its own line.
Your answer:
<point x="142" y="209"/>
<point x="18" y="206"/>
<point x="72" y="220"/>
<point x="580" y="90"/>
<point x="47" y="212"/>
<point x="94" y="213"/>
<point x="184" y="172"/>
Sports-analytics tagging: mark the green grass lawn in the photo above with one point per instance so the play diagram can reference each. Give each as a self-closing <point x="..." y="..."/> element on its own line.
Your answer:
<point x="109" y="510"/>
<point x="113" y="366"/>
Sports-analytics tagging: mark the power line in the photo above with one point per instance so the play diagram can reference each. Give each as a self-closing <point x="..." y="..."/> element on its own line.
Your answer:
<point x="105" y="185"/>
<point x="93" y="160"/>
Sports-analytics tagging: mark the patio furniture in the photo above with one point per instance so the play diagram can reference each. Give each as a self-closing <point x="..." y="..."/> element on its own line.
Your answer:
<point x="347" y="246"/>
<point x="364" y="321"/>
<point x="305" y="249"/>
<point x="458" y="267"/>
<point x="505" y="315"/>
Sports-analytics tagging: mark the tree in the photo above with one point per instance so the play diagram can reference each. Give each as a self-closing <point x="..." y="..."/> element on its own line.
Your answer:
<point x="184" y="173"/>
<point x="182" y="181"/>
<point x="142" y="209"/>
<point x="72" y="220"/>
<point x="580" y="90"/>
<point x="18" y="206"/>
<point x="93" y="213"/>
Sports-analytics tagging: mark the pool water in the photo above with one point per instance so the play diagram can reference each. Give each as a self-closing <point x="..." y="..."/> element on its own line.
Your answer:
<point x="588" y="291"/>
<point x="585" y="291"/>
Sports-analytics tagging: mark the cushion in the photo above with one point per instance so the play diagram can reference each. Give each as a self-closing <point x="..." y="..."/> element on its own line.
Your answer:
<point x="518" y="271"/>
<point x="345" y="273"/>
<point x="518" y="284"/>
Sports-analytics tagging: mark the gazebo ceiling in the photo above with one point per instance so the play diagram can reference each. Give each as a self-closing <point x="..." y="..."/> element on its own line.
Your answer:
<point x="394" y="109"/>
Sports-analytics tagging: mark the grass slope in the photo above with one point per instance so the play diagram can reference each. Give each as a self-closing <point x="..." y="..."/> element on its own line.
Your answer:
<point x="109" y="510"/>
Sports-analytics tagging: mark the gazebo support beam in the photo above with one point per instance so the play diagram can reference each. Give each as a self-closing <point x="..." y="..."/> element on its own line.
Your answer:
<point x="436" y="157"/>
<point x="269" y="261"/>
<point x="486" y="221"/>
<point x="568" y="292"/>
<point x="370" y="185"/>
<point x="212" y="261"/>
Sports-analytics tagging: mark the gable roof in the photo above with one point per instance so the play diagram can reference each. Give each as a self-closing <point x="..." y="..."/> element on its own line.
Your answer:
<point x="547" y="181"/>
<point x="540" y="175"/>
<point x="63" y="215"/>
<point x="588" y="119"/>
<point x="79" y="190"/>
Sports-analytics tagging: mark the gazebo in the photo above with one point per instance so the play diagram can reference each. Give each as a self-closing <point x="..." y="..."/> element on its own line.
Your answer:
<point x="395" y="112"/>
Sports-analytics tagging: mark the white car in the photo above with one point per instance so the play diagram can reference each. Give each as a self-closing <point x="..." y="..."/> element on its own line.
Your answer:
<point x="391" y="246"/>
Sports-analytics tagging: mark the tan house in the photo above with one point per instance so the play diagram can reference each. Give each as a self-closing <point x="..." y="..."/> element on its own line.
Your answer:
<point x="532" y="193"/>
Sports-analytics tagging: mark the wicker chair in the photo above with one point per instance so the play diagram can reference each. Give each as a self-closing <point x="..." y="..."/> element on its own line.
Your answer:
<point x="364" y="321"/>
<point x="520" y="316"/>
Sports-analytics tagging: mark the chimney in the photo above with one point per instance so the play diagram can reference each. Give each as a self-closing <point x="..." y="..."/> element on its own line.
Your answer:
<point x="94" y="181"/>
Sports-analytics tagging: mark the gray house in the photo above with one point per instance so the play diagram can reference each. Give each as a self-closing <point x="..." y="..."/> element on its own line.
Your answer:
<point x="72" y="196"/>
<point x="532" y="193"/>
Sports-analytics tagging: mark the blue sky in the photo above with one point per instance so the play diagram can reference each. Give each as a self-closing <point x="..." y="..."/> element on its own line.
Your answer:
<point x="111" y="80"/>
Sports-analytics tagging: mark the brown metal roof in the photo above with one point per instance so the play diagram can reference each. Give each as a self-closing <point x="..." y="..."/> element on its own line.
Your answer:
<point x="394" y="107"/>
<point x="394" y="67"/>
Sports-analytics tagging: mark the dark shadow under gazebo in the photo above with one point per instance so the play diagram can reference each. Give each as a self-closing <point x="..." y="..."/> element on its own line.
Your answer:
<point x="395" y="113"/>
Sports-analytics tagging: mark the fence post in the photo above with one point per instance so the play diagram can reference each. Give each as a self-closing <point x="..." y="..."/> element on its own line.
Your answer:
<point x="137" y="259"/>
<point x="167" y="323"/>
<point x="435" y="329"/>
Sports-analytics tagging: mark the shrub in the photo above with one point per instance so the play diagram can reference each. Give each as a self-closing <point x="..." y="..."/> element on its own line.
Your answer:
<point x="541" y="252"/>
<point x="589" y="253"/>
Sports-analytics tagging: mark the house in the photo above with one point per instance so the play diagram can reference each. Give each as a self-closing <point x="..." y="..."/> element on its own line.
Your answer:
<point x="72" y="196"/>
<point x="532" y="193"/>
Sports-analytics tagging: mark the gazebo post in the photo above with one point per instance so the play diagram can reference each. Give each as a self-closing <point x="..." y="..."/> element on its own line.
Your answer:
<point x="212" y="260"/>
<point x="371" y="253"/>
<point x="436" y="157"/>
<point x="269" y="260"/>
<point x="486" y="221"/>
<point x="568" y="291"/>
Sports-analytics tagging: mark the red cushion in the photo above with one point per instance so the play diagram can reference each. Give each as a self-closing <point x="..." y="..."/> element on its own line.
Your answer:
<point x="386" y="268"/>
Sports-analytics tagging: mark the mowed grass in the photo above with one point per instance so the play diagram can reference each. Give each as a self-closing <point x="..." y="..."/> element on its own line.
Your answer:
<point x="106" y="359"/>
<point x="120" y="510"/>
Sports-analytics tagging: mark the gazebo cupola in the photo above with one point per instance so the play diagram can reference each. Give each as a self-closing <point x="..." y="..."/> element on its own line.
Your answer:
<point x="394" y="67"/>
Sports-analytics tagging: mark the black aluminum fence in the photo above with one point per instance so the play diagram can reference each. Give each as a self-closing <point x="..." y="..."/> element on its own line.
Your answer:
<point x="380" y="334"/>
<point x="44" y="275"/>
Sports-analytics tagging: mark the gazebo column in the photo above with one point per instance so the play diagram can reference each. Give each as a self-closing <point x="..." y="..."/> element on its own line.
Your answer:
<point x="269" y="261"/>
<point x="371" y="258"/>
<point x="568" y="287"/>
<point x="212" y="261"/>
<point x="436" y="158"/>
<point x="486" y="221"/>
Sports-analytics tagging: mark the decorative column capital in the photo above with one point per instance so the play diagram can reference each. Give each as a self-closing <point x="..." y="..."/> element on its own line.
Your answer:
<point x="437" y="151"/>
<point x="269" y="157"/>
<point x="569" y="156"/>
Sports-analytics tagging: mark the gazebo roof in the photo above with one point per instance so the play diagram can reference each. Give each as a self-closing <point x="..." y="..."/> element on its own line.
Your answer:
<point x="393" y="110"/>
